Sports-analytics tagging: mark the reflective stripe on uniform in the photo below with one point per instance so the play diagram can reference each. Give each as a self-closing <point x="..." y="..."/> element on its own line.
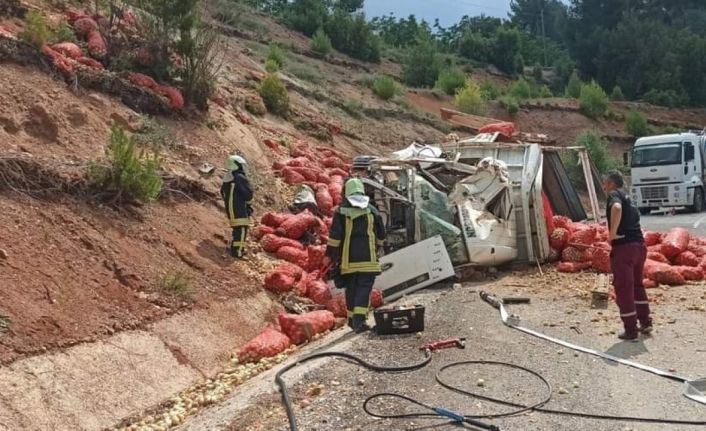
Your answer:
<point x="237" y="222"/>
<point x="345" y="259"/>
<point x="634" y="313"/>
<point x="333" y="242"/>
<point x="642" y="302"/>
<point x="361" y="267"/>
<point x="371" y="238"/>
<point x="380" y="242"/>
<point x="231" y="204"/>
<point x="360" y="310"/>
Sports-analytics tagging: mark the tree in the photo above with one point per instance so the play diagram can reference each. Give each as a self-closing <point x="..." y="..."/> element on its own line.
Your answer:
<point x="422" y="64"/>
<point x="527" y="15"/>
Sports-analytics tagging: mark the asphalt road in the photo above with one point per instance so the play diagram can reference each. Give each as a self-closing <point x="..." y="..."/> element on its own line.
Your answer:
<point x="695" y="223"/>
<point x="560" y="307"/>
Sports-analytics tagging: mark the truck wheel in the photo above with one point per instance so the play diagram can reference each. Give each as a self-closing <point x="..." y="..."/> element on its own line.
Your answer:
<point x="645" y="211"/>
<point x="698" y="201"/>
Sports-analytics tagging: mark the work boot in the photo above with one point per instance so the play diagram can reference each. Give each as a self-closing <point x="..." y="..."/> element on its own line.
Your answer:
<point x="362" y="328"/>
<point x="628" y="335"/>
<point x="646" y="329"/>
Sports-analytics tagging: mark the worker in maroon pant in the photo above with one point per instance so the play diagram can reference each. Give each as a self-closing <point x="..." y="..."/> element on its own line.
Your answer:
<point x="627" y="258"/>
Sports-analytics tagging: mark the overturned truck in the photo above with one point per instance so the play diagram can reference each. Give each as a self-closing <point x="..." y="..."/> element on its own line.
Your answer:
<point x="476" y="202"/>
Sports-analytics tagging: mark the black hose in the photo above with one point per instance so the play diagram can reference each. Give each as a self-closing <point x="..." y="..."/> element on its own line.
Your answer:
<point x="285" y="393"/>
<point x="519" y="408"/>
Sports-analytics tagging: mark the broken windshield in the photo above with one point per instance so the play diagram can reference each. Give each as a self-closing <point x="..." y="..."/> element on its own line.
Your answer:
<point x="657" y="155"/>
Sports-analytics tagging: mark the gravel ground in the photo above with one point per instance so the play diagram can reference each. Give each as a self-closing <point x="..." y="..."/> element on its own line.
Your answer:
<point x="330" y="397"/>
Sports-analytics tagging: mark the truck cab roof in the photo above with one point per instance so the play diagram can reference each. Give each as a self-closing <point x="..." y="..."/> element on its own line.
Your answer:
<point x="659" y="139"/>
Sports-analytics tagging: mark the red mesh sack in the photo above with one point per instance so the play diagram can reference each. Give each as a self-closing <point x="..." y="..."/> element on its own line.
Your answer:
<point x="337" y="305"/>
<point x="302" y="327"/>
<point x="84" y="26"/>
<point x="287" y="268"/>
<point x="336" y="192"/>
<point x="278" y="165"/>
<point x="675" y="242"/>
<point x="652" y="238"/>
<point x="295" y="226"/>
<point x="279" y="281"/>
<point x="324" y="199"/>
<point x="302" y="286"/>
<point x="142" y="80"/>
<point x="559" y="238"/>
<point x="572" y="267"/>
<point x="273" y="145"/>
<point x="332" y="162"/>
<point x="657" y="257"/>
<point x="337" y="172"/>
<point x="68" y="49"/>
<point x="505" y="128"/>
<point x="293" y="255"/>
<point x="74" y="14"/>
<point x="93" y="64"/>
<point x="664" y="274"/>
<point x="601" y="260"/>
<point x="702" y="264"/>
<point x="274" y="219"/>
<point x="176" y="100"/>
<point x="649" y="284"/>
<point x="657" y="248"/>
<point x="565" y="222"/>
<point x="686" y="259"/>
<point x="299" y="162"/>
<point x="583" y="234"/>
<point x="291" y="176"/>
<point x="318" y="291"/>
<point x="376" y="299"/>
<point x="272" y="243"/>
<point x="573" y="254"/>
<point x="316" y="254"/>
<point x="268" y="343"/>
<point x="696" y="248"/>
<point x="323" y="178"/>
<point x="548" y="214"/>
<point x="309" y="174"/>
<point x="690" y="273"/>
<point x="58" y="60"/>
<point x="96" y="45"/>
<point x="261" y="231"/>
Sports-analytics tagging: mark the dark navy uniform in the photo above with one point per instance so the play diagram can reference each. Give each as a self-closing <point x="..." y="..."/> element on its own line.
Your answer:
<point x="237" y="195"/>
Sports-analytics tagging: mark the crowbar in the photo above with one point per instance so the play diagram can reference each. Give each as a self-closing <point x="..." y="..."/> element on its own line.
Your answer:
<point x="693" y="389"/>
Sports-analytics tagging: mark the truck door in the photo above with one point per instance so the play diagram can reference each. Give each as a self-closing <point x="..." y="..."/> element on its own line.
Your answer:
<point x="690" y="165"/>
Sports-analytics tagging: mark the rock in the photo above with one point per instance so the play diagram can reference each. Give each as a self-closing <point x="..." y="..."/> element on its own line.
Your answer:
<point x="76" y="115"/>
<point x="562" y="391"/>
<point x="3" y="254"/>
<point x="10" y="124"/>
<point x="480" y="383"/>
<point x="40" y="124"/>
<point x="97" y="100"/>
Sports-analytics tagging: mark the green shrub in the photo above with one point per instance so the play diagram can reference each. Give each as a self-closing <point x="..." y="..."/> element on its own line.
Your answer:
<point x="490" y="91"/>
<point x="636" y="124"/>
<point x="64" y="33"/>
<point x="520" y="89"/>
<point x="668" y="98"/>
<point x="274" y="94"/>
<point x="617" y="94"/>
<point x="384" y="87"/>
<point x="545" y="92"/>
<point x="573" y="88"/>
<point x="470" y="100"/>
<point x="450" y="80"/>
<point x="36" y="30"/>
<point x="305" y="73"/>
<point x="354" y="108"/>
<point x="320" y="42"/>
<point x="510" y="104"/>
<point x="177" y="284"/>
<point x="597" y="148"/>
<point x="128" y="174"/>
<point x="276" y="55"/>
<point x="593" y="101"/>
<point x="422" y="64"/>
<point x="271" y="66"/>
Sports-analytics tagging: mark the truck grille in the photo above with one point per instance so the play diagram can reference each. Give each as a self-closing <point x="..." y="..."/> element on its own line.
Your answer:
<point x="659" y="192"/>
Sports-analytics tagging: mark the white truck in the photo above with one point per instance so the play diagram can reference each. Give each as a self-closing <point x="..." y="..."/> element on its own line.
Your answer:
<point x="668" y="171"/>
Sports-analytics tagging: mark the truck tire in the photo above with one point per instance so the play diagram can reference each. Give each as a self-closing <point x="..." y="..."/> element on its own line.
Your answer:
<point x="645" y="211"/>
<point x="698" y="201"/>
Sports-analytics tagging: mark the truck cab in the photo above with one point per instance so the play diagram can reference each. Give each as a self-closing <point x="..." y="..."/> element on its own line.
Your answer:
<point x="668" y="171"/>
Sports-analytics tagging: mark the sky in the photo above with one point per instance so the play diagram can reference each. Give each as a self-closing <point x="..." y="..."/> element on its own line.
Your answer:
<point x="449" y="12"/>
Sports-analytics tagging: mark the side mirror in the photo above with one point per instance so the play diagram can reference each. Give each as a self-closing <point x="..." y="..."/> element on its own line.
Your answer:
<point x="626" y="159"/>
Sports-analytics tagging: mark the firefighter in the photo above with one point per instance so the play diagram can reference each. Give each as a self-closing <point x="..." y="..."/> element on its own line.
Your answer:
<point x="237" y="194"/>
<point x="627" y="258"/>
<point x="356" y="233"/>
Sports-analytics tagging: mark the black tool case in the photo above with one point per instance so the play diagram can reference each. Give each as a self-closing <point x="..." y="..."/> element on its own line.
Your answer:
<point x="399" y="320"/>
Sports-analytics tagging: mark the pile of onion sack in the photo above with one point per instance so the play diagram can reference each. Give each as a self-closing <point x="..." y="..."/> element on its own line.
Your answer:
<point x="301" y="271"/>
<point x="673" y="258"/>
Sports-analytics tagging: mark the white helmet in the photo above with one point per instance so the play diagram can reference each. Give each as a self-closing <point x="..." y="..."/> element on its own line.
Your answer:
<point x="236" y="163"/>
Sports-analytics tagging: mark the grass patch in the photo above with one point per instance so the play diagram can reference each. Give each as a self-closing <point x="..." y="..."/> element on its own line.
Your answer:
<point x="176" y="284"/>
<point x="155" y="135"/>
<point x="306" y="73"/>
